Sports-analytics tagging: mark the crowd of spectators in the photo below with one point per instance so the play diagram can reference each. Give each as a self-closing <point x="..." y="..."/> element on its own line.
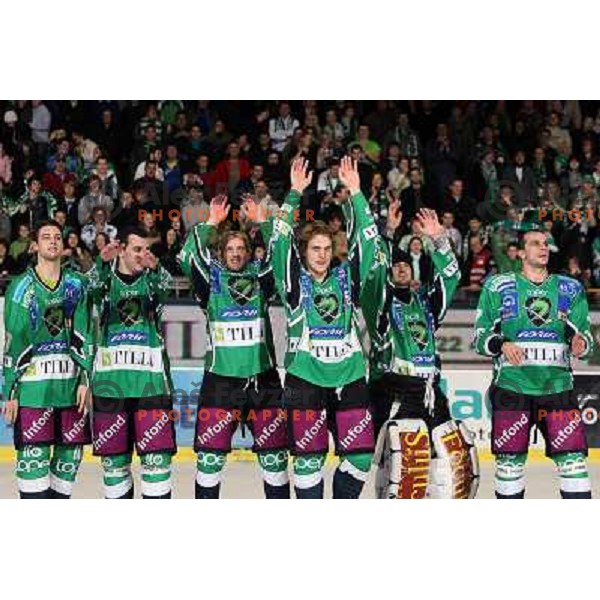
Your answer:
<point x="489" y="169"/>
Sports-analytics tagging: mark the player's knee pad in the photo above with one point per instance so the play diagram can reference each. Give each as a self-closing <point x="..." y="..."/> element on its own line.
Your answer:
<point x="156" y="474"/>
<point x="118" y="482"/>
<point x="33" y="470"/>
<point x="510" y="475"/>
<point x="274" y="467"/>
<point x="209" y="468"/>
<point x="454" y="470"/>
<point x="308" y="470"/>
<point x="574" y="476"/>
<point x="64" y="467"/>
<point x="405" y="459"/>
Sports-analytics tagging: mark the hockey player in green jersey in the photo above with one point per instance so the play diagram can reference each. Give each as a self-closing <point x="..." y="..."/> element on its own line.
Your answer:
<point x="47" y="359"/>
<point x="131" y="387"/>
<point x="325" y="365"/>
<point x="532" y="323"/>
<point x="422" y="452"/>
<point x="241" y="383"/>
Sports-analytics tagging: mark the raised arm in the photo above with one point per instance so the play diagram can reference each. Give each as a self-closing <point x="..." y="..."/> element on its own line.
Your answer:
<point x="254" y="212"/>
<point x="365" y="246"/>
<point x="282" y="254"/>
<point x="98" y="276"/>
<point x="159" y="279"/>
<point x="195" y="257"/>
<point x="446" y="276"/>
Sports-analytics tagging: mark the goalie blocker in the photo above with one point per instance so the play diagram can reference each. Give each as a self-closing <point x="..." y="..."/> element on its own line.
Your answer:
<point x="421" y="452"/>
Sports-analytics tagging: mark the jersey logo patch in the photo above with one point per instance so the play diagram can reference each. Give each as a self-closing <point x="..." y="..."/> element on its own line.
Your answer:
<point x="327" y="306"/>
<point x="538" y="310"/>
<point x="54" y="319"/>
<point x="418" y="332"/>
<point x="241" y="289"/>
<point x="129" y="311"/>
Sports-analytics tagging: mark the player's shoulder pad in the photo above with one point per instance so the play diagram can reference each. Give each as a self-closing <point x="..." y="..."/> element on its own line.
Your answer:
<point x="569" y="286"/>
<point x="500" y="283"/>
<point x="17" y="290"/>
<point x="76" y="283"/>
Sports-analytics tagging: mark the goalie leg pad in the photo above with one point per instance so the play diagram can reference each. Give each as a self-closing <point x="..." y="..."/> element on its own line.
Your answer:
<point x="406" y="459"/>
<point x="454" y="471"/>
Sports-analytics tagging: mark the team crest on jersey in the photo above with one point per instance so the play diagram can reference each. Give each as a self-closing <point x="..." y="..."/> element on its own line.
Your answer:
<point x="538" y="310"/>
<point x="54" y="319"/>
<point x="418" y="332"/>
<point x="241" y="289"/>
<point x="129" y="311"/>
<point x="327" y="306"/>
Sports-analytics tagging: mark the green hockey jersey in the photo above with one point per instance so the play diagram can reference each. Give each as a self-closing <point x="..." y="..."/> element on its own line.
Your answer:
<point x="323" y="335"/>
<point x="130" y="360"/>
<point x="48" y="342"/>
<point x="541" y="319"/>
<point x="238" y="329"/>
<point x="402" y="323"/>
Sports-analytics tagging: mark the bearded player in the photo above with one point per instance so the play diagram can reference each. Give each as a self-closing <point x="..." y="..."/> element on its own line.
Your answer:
<point x="532" y="323"/>
<point x="241" y="384"/>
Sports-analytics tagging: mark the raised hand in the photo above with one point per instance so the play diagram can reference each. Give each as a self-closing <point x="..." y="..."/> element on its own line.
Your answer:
<point x="149" y="261"/>
<point x="110" y="251"/>
<point x="394" y="216"/>
<point x="349" y="175"/>
<point x="253" y="210"/>
<point x="299" y="174"/>
<point x="428" y="223"/>
<point x="219" y="209"/>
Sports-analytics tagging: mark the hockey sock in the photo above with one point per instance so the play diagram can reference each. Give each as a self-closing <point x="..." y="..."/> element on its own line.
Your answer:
<point x="308" y="476"/>
<point x="351" y="474"/>
<point x="574" y="477"/>
<point x="64" y="467"/>
<point x="33" y="472"/>
<point x="156" y="475"/>
<point x="118" y="482"/>
<point x="209" y="470"/>
<point x="510" y="476"/>
<point x="274" y="471"/>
